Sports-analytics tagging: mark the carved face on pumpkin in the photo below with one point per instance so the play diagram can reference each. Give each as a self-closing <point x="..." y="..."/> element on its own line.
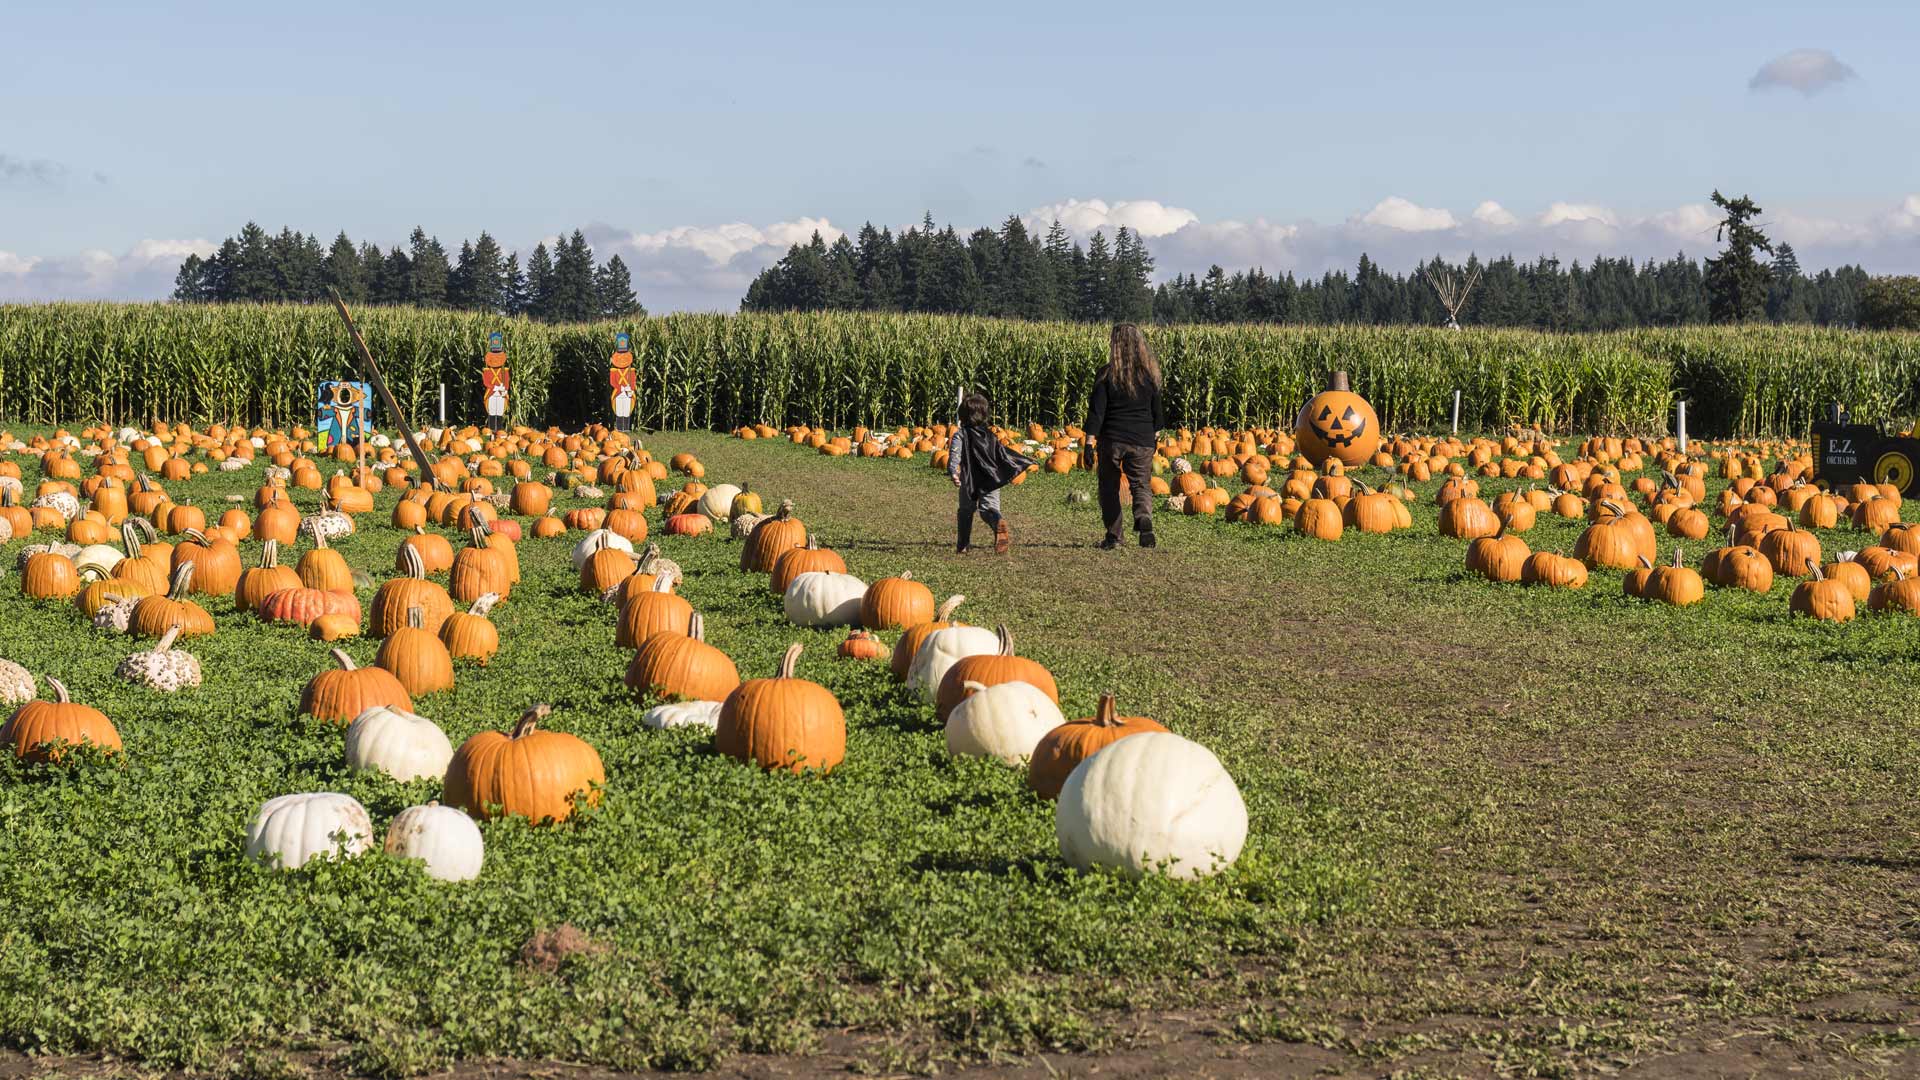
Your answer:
<point x="1338" y="424"/>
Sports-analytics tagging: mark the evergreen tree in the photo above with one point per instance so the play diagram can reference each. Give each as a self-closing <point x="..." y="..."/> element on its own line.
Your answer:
<point x="613" y="291"/>
<point x="1736" y="281"/>
<point x="843" y="276"/>
<point x="396" y="278"/>
<point x="572" y="297"/>
<point x="373" y="273"/>
<point x="427" y="270"/>
<point x="539" y="292"/>
<point x="344" y="271"/>
<point x="1023" y="285"/>
<point x="250" y="276"/>
<point x="1130" y="293"/>
<point x="190" y="282"/>
<point x="513" y="287"/>
<point x="483" y="276"/>
<point x="1788" y="294"/>
<point x="877" y="269"/>
<point x="1095" y="281"/>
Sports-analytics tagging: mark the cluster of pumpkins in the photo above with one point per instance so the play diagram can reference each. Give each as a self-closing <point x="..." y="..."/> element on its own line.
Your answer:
<point x="993" y="703"/>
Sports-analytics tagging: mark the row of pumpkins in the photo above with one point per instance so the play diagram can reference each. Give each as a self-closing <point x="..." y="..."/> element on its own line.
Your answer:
<point x="997" y="705"/>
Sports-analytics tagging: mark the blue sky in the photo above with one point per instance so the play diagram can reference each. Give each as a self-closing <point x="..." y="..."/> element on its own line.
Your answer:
<point x="698" y="139"/>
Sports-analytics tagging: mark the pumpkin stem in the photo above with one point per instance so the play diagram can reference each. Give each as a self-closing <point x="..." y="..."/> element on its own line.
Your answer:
<point x="945" y="614"/>
<point x="484" y="604"/>
<point x="1108" y="714"/>
<point x="1006" y="639"/>
<point x="1815" y="569"/>
<point x="167" y="639"/>
<point x="480" y="536"/>
<point x="1676" y="555"/>
<point x="530" y="720"/>
<point x="1338" y="382"/>
<point x="1644" y="563"/>
<point x="269" y="554"/>
<point x="196" y="536"/>
<point x="786" y="509"/>
<point x="129" y="537"/>
<point x="59" y="690"/>
<point x="790" y="661"/>
<point x="697" y="627"/>
<point x="416" y="618"/>
<point x="340" y="657"/>
<point x="319" y="538"/>
<point x="906" y="575"/>
<point x="182" y="578"/>
<point x="113" y="598"/>
<point x="411" y="564"/>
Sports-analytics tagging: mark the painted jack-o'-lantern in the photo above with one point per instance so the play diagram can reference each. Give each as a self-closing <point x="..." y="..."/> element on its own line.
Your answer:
<point x="1337" y="423"/>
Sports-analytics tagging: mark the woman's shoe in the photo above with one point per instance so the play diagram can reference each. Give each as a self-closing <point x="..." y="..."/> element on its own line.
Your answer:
<point x="1002" y="537"/>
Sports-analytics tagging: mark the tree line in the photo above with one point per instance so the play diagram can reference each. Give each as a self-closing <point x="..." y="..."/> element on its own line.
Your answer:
<point x="562" y="285"/>
<point x="1014" y="273"/>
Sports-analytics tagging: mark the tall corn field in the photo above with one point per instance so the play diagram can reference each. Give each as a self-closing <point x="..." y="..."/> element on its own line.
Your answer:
<point x="70" y="363"/>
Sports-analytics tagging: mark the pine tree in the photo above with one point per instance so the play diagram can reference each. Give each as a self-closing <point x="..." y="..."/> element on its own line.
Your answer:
<point x="373" y="272"/>
<point x="539" y="292"/>
<point x="427" y="270"/>
<point x="1095" y="281"/>
<point x="513" y="287"/>
<point x="1736" y="280"/>
<point x="613" y="291"/>
<point x="572" y="296"/>
<point x="1131" y="290"/>
<point x="251" y="277"/>
<point x="483" y="277"/>
<point x="190" y="282"/>
<point x="843" y="276"/>
<point x="343" y="271"/>
<point x="877" y="269"/>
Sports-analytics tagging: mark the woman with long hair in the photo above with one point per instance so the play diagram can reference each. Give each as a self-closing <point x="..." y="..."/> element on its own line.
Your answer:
<point x="1123" y="426"/>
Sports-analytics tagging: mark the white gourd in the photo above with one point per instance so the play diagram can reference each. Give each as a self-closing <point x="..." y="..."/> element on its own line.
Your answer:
<point x="398" y="743"/>
<point x="162" y="667"/>
<point x="16" y="684"/>
<point x="65" y="502"/>
<point x="702" y="714"/>
<point x="1004" y="721"/>
<point x="941" y="650"/>
<point x="291" y="830"/>
<point x="1151" y="803"/>
<point x="594" y="541"/>
<point x="445" y="839"/>
<point x="819" y="598"/>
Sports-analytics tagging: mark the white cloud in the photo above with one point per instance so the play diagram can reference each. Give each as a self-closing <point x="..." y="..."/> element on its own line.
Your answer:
<point x="145" y="272"/>
<point x="1394" y="212"/>
<point x="1807" y="70"/>
<point x="1560" y="213"/>
<point x="702" y="268"/>
<point x="1492" y="213"/>
<point x="1084" y="218"/>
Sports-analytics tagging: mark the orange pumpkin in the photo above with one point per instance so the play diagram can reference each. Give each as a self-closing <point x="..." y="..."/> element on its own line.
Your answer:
<point x="783" y="722"/>
<point x="1061" y="750"/>
<point x="527" y="772"/>
<point x="43" y="731"/>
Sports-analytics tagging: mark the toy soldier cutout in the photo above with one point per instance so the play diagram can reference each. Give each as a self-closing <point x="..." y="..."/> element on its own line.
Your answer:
<point x="621" y="377"/>
<point x="495" y="377"/>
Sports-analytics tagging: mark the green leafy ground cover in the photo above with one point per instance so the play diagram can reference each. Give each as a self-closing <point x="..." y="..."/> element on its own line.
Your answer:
<point x="1493" y="829"/>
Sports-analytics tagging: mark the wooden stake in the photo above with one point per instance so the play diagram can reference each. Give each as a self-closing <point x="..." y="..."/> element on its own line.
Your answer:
<point x="380" y="386"/>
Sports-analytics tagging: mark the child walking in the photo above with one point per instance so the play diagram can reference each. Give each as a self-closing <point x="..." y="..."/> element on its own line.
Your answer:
<point x="980" y="465"/>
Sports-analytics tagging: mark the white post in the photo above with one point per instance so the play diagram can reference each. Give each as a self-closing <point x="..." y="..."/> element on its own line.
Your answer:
<point x="1680" y="424"/>
<point x="443" y="404"/>
<point x="1456" y="412"/>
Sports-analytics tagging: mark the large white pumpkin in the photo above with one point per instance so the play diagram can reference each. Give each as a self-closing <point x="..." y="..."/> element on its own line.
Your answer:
<point x="445" y="839"/>
<point x="944" y="648"/>
<point x="1150" y="803"/>
<point x="704" y="714"/>
<point x="398" y="743"/>
<point x="594" y="541"/>
<point x="96" y="561"/>
<point x="1004" y="721"/>
<point x="293" y="829"/>
<point x="717" y="503"/>
<point x="819" y="598"/>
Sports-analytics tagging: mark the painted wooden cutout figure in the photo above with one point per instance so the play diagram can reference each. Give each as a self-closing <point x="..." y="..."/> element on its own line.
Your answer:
<point x="624" y="381"/>
<point x="495" y="378"/>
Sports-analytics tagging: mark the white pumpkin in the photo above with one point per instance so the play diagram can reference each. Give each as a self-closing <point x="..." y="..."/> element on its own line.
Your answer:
<point x="292" y="830"/>
<point x="703" y="714"/>
<point x="445" y="839"/>
<point x="941" y="650"/>
<point x="96" y="561"/>
<point x="825" y="599"/>
<point x="1151" y="803"/>
<point x="1004" y="721"/>
<point x="717" y="503"/>
<point x="594" y="541"/>
<point x="398" y="743"/>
